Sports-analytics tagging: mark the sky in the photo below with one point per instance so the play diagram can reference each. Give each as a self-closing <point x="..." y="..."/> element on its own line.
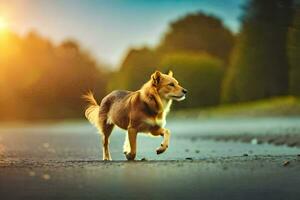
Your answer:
<point x="108" y="28"/>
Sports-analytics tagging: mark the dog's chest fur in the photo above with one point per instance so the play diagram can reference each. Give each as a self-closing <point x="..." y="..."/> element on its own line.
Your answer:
<point x="160" y="119"/>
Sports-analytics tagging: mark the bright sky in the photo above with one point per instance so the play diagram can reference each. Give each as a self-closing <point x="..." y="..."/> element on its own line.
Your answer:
<point x="107" y="28"/>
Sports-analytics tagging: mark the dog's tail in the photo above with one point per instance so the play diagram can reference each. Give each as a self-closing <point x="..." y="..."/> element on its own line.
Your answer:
<point x="93" y="109"/>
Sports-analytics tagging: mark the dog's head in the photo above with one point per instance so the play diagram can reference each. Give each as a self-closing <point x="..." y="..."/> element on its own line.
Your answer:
<point x="167" y="86"/>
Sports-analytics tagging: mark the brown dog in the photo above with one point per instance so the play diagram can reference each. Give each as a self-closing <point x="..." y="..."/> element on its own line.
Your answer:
<point x="144" y="111"/>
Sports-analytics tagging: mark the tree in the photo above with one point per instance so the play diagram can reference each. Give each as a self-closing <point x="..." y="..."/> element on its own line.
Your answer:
<point x="198" y="33"/>
<point x="259" y="66"/>
<point x="200" y="74"/>
<point x="294" y="52"/>
<point x="135" y="69"/>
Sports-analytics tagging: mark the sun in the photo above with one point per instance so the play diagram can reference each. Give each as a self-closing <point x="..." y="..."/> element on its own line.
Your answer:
<point x="3" y="23"/>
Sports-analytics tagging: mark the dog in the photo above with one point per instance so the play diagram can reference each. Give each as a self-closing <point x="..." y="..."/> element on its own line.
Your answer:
<point x="141" y="111"/>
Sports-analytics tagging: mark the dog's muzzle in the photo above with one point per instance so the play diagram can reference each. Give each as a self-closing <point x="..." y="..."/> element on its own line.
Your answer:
<point x="178" y="98"/>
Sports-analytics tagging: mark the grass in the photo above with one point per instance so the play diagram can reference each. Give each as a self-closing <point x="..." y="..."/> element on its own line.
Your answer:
<point x="279" y="106"/>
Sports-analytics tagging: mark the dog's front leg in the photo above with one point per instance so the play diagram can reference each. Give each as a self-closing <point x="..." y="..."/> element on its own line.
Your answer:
<point x="132" y="134"/>
<point x="165" y="144"/>
<point x="126" y="146"/>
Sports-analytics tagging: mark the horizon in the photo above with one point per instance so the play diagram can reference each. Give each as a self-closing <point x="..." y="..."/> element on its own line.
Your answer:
<point x="108" y="29"/>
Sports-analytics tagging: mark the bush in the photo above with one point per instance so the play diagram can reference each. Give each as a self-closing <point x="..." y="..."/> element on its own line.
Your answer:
<point x="200" y="74"/>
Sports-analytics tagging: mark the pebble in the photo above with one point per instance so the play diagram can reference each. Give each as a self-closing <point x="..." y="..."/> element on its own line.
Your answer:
<point x="143" y="159"/>
<point x="31" y="173"/>
<point x="245" y="154"/>
<point x="254" y="141"/>
<point x="189" y="158"/>
<point x="46" y="145"/>
<point x="46" y="177"/>
<point x="286" y="163"/>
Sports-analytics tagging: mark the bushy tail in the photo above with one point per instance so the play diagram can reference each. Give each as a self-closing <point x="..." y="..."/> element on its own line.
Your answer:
<point x="92" y="111"/>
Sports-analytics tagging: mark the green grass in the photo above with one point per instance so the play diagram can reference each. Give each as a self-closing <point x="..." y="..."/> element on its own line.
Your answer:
<point x="280" y="106"/>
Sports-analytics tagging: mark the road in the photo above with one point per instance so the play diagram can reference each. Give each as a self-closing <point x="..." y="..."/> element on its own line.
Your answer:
<point x="63" y="161"/>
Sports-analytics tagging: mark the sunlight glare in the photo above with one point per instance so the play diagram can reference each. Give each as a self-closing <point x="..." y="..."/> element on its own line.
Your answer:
<point x="3" y="23"/>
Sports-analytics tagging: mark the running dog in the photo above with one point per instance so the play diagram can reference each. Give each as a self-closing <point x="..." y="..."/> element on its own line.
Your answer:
<point x="144" y="110"/>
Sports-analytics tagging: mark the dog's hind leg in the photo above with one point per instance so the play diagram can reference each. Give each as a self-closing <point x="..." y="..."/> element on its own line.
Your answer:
<point x="97" y="115"/>
<point x="106" y="132"/>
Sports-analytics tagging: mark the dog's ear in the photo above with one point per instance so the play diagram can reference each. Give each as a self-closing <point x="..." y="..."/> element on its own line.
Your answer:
<point x="156" y="76"/>
<point x="170" y="73"/>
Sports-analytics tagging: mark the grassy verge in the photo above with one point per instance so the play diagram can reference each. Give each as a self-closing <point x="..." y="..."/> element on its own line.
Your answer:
<point x="280" y="106"/>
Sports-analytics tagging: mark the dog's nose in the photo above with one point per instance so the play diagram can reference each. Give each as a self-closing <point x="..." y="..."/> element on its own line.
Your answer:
<point x="184" y="91"/>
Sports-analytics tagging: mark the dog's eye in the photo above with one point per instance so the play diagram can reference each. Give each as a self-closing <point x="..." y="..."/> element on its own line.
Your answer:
<point x="171" y="84"/>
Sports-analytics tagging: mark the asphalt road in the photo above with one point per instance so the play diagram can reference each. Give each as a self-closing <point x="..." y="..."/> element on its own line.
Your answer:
<point x="63" y="161"/>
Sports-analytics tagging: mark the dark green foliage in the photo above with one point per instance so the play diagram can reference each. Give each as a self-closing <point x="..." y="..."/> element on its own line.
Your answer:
<point x="200" y="74"/>
<point x="294" y="53"/>
<point x="198" y="33"/>
<point x="259" y="67"/>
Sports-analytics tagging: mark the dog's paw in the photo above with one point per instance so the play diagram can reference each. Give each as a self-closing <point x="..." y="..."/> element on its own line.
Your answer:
<point x="130" y="156"/>
<point x="160" y="150"/>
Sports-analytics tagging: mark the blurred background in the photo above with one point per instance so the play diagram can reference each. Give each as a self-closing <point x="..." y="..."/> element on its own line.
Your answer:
<point x="235" y="136"/>
<point x="236" y="57"/>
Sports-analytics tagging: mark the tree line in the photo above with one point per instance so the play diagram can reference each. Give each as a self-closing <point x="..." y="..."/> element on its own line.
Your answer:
<point x="39" y="80"/>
